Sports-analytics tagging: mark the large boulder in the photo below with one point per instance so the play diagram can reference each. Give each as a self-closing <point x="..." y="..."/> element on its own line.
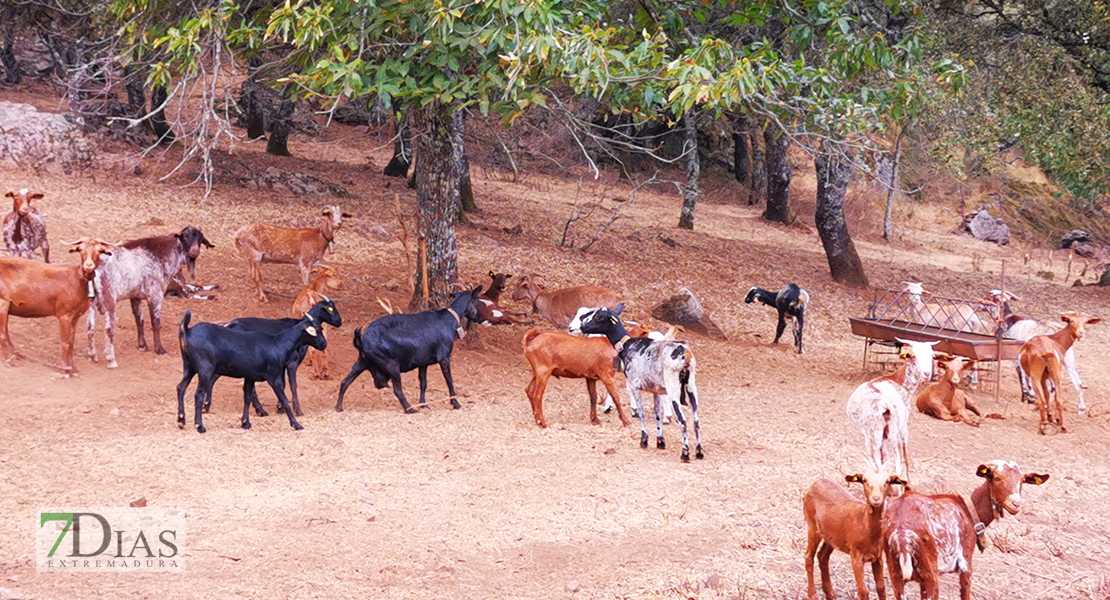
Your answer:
<point x="984" y="227"/>
<point x="34" y="140"/>
<point x="1075" y="236"/>
<point x="685" y="310"/>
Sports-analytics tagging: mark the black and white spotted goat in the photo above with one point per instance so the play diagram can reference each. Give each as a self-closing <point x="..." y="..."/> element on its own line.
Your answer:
<point x="790" y="302"/>
<point x="665" y="369"/>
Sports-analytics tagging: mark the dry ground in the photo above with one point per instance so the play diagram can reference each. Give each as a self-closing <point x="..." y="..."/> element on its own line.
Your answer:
<point x="480" y="503"/>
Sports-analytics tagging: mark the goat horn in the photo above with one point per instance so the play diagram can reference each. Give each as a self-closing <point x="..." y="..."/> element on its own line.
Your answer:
<point x="77" y="241"/>
<point x="326" y="299"/>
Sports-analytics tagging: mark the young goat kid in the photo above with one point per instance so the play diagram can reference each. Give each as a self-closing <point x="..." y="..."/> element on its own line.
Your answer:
<point x="944" y="399"/>
<point x="837" y="521"/>
<point x="327" y="280"/>
<point x="396" y="344"/>
<point x="879" y="409"/>
<point x="25" y="228"/>
<point x="791" y="303"/>
<point x="1042" y="358"/>
<point x="924" y="536"/>
<point x="665" y="369"/>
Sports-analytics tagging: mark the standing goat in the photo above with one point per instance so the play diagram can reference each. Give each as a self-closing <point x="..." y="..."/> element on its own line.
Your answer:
<point x="25" y="227"/>
<point x="959" y="317"/>
<point x="665" y="369"/>
<point x="944" y="399"/>
<point x="140" y="270"/>
<point x="924" y="536"/>
<point x="1042" y="357"/>
<point x="327" y="280"/>
<point x="791" y="303"/>
<point x="1023" y="329"/>
<point x="560" y="306"/>
<point x="396" y="344"/>
<point x="262" y="243"/>
<point x="837" y="521"/>
<point x="879" y="409"/>
<point x="557" y="354"/>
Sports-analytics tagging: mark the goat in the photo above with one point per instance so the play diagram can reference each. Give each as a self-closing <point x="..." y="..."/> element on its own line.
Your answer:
<point x="396" y="344"/>
<point x="637" y="330"/>
<point x="179" y="288"/>
<point x="489" y="311"/>
<point x="662" y="368"/>
<point x="944" y="399"/>
<point x="924" y="536"/>
<point x="1041" y="359"/>
<point x="560" y="306"/>
<point x="837" y="521"/>
<point x="25" y="227"/>
<point x="32" y="289"/>
<point x="140" y="270"/>
<point x="262" y="243"/>
<point x="879" y="408"/>
<point x="210" y="351"/>
<point x="958" y="317"/>
<point x="323" y="311"/>
<point x="1023" y="329"/>
<point x="791" y="302"/>
<point x="553" y="353"/>
<point x="327" y="280"/>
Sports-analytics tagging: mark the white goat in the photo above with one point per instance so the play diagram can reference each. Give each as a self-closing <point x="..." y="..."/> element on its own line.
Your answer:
<point x="880" y="408"/>
<point x="960" y="318"/>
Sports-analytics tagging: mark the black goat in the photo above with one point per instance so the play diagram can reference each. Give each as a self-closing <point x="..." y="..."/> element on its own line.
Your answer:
<point x="323" y="311"/>
<point x="790" y="302"/>
<point x="396" y="344"/>
<point x="211" y="351"/>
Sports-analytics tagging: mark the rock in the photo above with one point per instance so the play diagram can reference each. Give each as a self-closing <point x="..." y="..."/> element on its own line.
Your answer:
<point x="379" y="231"/>
<point x="1093" y="251"/>
<point x="351" y="115"/>
<point x="1104" y="280"/>
<point x="986" y="228"/>
<point x="1074" y="236"/>
<point x="114" y="412"/>
<point x="10" y="594"/>
<point x="714" y="582"/>
<point x="295" y="183"/>
<point x="684" y="309"/>
<point x="572" y="586"/>
<point x="140" y="503"/>
<point x="34" y="140"/>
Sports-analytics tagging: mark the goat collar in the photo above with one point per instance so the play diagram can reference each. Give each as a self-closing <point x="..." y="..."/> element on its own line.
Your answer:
<point x="980" y="527"/>
<point x="620" y="345"/>
<point x="458" y="321"/>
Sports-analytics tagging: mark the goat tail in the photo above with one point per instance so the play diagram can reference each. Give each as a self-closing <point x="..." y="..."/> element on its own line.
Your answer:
<point x="357" y="339"/>
<point x="905" y="562"/>
<point x="183" y="329"/>
<point x="531" y="335"/>
<point x="803" y="300"/>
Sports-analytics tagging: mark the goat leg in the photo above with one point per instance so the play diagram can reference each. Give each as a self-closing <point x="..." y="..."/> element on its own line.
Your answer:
<point x="445" y="366"/>
<point x="137" y="311"/>
<point x="258" y="410"/>
<point x="659" y="443"/>
<point x="396" y="379"/>
<point x="68" y="331"/>
<point x="186" y="378"/>
<point x="692" y="396"/>
<point x="202" y="398"/>
<point x="292" y="373"/>
<point x="155" y="306"/>
<point x="591" y="389"/>
<point x="823" y="554"/>
<point x="278" y="385"/>
<point x="248" y="393"/>
<point x="612" y="389"/>
<point x="781" y="327"/>
<point x="877" y="575"/>
<point x="423" y="372"/>
<point x="90" y="325"/>
<point x="356" y="370"/>
<point x="535" y="391"/>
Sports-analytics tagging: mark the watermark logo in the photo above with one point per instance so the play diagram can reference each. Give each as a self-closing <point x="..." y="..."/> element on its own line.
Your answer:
<point x="85" y="539"/>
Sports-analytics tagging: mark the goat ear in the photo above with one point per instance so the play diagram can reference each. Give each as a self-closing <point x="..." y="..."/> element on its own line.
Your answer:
<point x="477" y="291"/>
<point x="346" y="215"/>
<point x="10" y="195"/>
<point x="492" y="274"/>
<point x="74" y="249"/>
<point x="985" y="471"/>
<point x="857" y="478"/>
<point x="1094" y="321"/>
<point x="896" y="480"/>
<point x="327" y="211"/>
<point x="36" y="196"/>
<point x="1035" y="478"/>
<point x="619" y="309"/>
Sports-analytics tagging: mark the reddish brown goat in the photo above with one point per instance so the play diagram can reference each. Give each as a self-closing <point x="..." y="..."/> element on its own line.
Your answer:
<point x="924" y="536"/>
<point x="327" y="281"/>
<point x="837" y="521"/>
<point x="560" y="306"/>
<point x="262" y="243"/>
<point x="944" y="399"/>
<point x="25" y="228"/>
<point x="553" y="353"/>
<point x="32" y="289"/>
<point x="1042" y="358"/>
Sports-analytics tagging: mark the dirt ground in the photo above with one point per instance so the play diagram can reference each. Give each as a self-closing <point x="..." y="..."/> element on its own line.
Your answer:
<point x="479" y="502"/>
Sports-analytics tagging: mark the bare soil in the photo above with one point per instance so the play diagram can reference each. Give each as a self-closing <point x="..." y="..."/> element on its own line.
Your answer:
<point x="480" y="502"/>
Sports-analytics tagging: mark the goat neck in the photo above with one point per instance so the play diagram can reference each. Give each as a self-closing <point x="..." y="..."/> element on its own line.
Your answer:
<point x="982" y="500"/>
<point x="765" y="296"/>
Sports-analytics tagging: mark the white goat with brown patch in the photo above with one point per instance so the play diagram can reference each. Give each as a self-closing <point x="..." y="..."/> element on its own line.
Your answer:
<point x="25" y="228"/>
<point x="263" y="243"/>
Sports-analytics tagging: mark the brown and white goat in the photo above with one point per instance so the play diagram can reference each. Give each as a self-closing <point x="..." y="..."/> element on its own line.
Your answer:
<point x="25" y="228"/>
<point x="1042" y="358"/>
<point x="924" y="536"/>
<point x="327" y="280"/>
<point x="557" y="354"/>
<point x="263" y="243"/>
<point x="560" y="306"/>
<point x="944" y="399"/>
<point x="33" y="290"/>
<point x="489" y="311"/>
<point x="837" y="521"/>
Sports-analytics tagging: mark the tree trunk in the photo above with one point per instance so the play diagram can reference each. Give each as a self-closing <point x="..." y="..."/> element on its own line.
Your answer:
<point x="693" y="172"/>
<point x="834" y="172"/>
<point x="893" y="189"/>
<point x="281" y="123"/>
<point x="436" y="186"/>
<point x="462" y="166"/>
<point x="402" y="147"/>
<point x="136" y="92"/>
<point x="11" y="66"/>
<point x="778" y="176"/>
<point x="162" y="131"/>
<point x="251" y="102"/>
<point x="759" y="169"/>
<point x="741" y="158"/>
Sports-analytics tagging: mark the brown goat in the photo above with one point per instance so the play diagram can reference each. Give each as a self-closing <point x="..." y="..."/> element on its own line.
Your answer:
<point x="944" y="399"/>
<point x="33" y="290"/>
<point x="553" y="353"/>
<point x="837" y="521"/>
<point x="924" y="536"/>
<point x="560" y="306"/>
<point x="25" y="228"/>
<point x="1042" y="358"/>
<point x="327" y="281"/>
<point x="262" y="243"/>
<point x="489" y="311"/>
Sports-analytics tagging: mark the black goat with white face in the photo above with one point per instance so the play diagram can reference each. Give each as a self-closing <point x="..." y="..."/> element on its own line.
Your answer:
<point x="790" y="302"/>
<point x="665" y="369"/>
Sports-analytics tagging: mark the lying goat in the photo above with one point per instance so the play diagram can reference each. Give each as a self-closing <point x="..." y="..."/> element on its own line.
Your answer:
<point x="665" y="369"/>
<point x="944" y="399"/>
<point x="560" y="306"/>
<point x="396" y="344"/>
<point x="791" y="303"/>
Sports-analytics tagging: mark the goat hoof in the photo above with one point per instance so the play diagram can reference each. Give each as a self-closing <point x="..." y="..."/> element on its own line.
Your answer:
<point x="261" y="412"/>
<point x="142" y="348"/>
<point x="246" y="425"/>
<point x="181" y="421"/>
<point x="297" y="413"/>
<point x="608" y="410"/>
<point x="1048" y="428"/>
<point x="685" y="457"/>
<point x="201" y="429"/>
<point x="699" y="455"/>
<point x="411" y="411"/>
<point x="113" y="365"/>
<point x="643" y="443"/>
<point x="298" y="427"/>
<point x="660" y="444"/>
<point x="338" y="409"/>
<point x="455" y="404"/>
<point x="159" y="350"/>
<point x="280" y="410"/>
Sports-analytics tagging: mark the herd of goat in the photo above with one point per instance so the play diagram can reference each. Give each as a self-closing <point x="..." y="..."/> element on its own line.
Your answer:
<point x="919" y="535"/>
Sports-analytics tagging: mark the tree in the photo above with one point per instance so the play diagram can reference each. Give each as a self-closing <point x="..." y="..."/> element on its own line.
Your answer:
<point x="834" y="173"/>
<point x="693" y="171"/>
<point x="778" y="171"/>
